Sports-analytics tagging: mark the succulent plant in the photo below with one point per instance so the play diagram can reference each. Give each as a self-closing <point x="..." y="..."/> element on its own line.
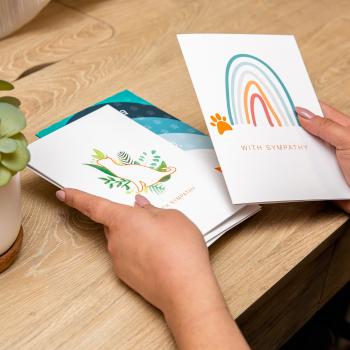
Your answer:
<point x="14" y="154"/>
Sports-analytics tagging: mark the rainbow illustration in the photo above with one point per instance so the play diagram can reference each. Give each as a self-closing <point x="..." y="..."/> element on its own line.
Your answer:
<point x="251" y="81"/>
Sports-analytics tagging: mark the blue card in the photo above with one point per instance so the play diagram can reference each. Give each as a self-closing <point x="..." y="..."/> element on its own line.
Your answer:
<point x="149" y="116"/>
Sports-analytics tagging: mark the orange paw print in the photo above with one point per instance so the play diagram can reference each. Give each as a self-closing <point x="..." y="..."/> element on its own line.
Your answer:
<point x="220" y="123"/>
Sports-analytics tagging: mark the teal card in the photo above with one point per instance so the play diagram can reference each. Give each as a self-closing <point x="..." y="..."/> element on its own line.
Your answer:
<point x="149" y="116"/>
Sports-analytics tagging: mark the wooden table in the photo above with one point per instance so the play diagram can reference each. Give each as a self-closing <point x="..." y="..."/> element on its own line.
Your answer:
<point x="276" y="270"/>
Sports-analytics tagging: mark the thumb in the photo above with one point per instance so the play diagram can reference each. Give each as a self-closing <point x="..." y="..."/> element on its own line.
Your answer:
<point x="96" y="208"/>
<point x="324" y="128"/>
<point x="143" y="202"/>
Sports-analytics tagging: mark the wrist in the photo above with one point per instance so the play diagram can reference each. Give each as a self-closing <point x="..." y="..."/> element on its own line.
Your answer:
<point x="198" y="317"/>
<point x="192" y="293"/>
<point x="193" y="303"/>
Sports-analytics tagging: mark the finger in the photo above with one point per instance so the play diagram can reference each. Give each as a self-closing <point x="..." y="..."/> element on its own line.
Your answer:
<point x="96" y="208"/>
<point x="106" y="232"/>
<point x="324" y="128"/>
<point x="143" y="202"/>
<point x="338" y="117"/>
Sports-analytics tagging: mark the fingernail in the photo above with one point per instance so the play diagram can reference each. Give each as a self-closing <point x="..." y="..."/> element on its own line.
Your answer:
<point x="61" y="195"/>
<point x="305" y="113"/>
<point x="141" y="200"/>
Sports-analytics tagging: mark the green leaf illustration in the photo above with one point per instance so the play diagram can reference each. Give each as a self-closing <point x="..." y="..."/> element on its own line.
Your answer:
<point x="165" y="178"/>
<point x="101" y="168"/>
<point x="151" y="159"/>
<point x="98" y="154"/>
<point x="116" y="182"/>
<point x="125" y="158"/>
<point x="162" y="166"/>
<point x="157" y="188"/>
<point x="126" y="185"/>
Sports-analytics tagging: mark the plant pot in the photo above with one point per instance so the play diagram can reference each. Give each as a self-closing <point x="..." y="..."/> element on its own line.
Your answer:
<point x="10" y="213"/>
<point x="16" y="13"/>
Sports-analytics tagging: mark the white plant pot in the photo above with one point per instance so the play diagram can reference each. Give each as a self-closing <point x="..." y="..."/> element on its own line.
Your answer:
<point x="16" y="13"/>
<point x="10" y="213"/>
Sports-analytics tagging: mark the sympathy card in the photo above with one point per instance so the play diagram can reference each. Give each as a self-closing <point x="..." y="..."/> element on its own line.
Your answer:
<point x="248" y="87"/>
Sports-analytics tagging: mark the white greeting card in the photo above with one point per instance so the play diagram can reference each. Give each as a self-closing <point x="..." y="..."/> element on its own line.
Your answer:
<point x="248" y="87"/>
<point x="109" y="155"/>
<point x="242" y="215"/>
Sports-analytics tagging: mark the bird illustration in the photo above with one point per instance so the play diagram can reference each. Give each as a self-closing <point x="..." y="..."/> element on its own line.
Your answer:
<point x="141" y="176"/>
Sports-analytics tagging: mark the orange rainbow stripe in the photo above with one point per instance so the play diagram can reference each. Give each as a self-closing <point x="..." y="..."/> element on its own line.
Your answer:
<point x="262" y="99"/>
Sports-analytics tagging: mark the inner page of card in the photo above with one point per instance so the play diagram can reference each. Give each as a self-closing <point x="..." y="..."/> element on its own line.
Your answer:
<point x="109" y="155"/>
<point x="248" y="87"/>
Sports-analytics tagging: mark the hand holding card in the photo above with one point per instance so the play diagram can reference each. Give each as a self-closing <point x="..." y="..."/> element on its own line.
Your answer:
<point x="109" y="155"/>
<point x="248" y="87"/>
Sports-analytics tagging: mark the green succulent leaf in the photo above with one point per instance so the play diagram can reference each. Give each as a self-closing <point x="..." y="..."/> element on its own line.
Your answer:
<point x="14" y="154"/>
<point x="12" y="120"/>
<point x="20" y="138"/>
<point x="17" y="160"/>
<point x="5" y="85"/>
<point x="7" y="145"/>
<point x="11" y="100"/>
<point x="5" y="175"/>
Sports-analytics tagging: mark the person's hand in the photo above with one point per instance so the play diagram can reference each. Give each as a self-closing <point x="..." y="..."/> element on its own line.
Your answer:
<point x="162" y="255"/>
<point x="334" y="129"/>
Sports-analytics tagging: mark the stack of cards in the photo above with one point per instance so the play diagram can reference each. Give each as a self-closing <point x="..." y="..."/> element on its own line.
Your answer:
<point x="109" y="150"/>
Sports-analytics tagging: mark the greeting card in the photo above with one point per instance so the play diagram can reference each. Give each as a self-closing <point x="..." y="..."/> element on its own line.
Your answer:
<point x="194" y="142"/>
<point x="248" y="87"/>
<point x="107" y="154"/>
<point x="170" y="128"/>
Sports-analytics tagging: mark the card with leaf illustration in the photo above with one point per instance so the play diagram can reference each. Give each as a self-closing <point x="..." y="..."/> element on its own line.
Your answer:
<point x="107" y="154"/>
<point x="124" y="164"/>
<point x="173" y="130"/>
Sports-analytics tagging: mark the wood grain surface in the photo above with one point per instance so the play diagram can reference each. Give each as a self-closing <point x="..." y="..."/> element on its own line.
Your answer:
<point x="61" y="293"/>
<point x="56" y="33"/>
